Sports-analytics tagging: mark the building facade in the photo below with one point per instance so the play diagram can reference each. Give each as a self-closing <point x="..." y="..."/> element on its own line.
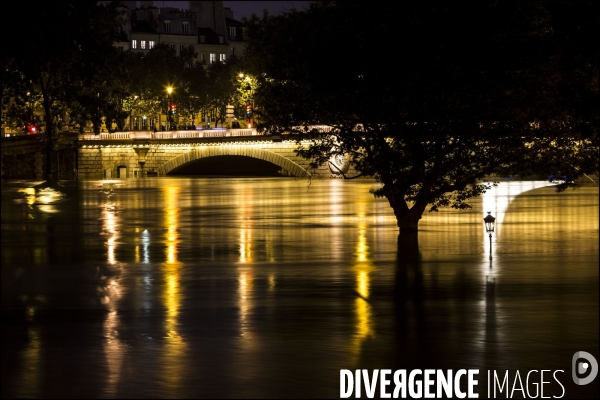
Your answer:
<point x="205" y="26"/>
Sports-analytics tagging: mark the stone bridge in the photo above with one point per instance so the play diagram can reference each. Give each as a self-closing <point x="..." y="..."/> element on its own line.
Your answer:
<point x="24" y="156"/>
<point x="137" y="154"/>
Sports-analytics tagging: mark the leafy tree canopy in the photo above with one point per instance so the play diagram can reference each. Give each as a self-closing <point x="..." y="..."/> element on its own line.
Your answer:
<point x="432" y="97"/>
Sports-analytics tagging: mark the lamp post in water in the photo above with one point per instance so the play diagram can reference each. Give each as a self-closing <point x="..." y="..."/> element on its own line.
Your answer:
<point x="489" y="222"/>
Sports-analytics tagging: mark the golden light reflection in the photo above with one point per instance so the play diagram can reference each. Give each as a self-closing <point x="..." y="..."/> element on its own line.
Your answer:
<point x="171" y="222"/>
<point x="271" y="282"/>
<point x="362" y="268"/>
<point x="245" y="283"/>
<point x="175" y="346"/>
<point x="110" y="228"/>
<point x="245" y="245"/>
<point x="44" y="198"/>
<point x="30" y="200"/>
<point x="245" y="214"/>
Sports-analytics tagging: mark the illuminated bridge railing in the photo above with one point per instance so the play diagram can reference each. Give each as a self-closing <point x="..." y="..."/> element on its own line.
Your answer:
<point x="170" y="134"/>
<point x="212" y="133"/>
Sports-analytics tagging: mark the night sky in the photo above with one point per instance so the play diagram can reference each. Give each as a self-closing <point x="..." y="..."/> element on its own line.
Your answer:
<point x="247" y="8"/>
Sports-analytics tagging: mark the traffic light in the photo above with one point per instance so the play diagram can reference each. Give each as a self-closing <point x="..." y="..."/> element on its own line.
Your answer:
<point x="173" y="108"/>
<point x="249" y="115"/>
<point x="32" y="129"/>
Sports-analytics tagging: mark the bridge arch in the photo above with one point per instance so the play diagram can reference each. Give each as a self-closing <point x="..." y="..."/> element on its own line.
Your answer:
<point x="286" y="164"/>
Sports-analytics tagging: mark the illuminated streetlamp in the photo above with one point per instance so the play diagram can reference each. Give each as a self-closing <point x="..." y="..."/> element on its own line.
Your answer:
<point x="249" y="108"/>
<point x="169" y="112"/>
<point x="489" y="222"/>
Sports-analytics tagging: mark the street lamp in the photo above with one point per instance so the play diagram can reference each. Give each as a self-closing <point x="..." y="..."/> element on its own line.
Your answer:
<point x="249" y="108"/>
<point x="169" y="91"/>
<point x="489" y="222"/>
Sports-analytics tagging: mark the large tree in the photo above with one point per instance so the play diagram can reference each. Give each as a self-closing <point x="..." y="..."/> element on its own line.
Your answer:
<point x="61" y="54"/>
<point x="430" y="97"/>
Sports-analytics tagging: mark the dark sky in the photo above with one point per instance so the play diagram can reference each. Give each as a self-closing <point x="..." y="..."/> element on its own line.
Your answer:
<point x="246" y="8"/>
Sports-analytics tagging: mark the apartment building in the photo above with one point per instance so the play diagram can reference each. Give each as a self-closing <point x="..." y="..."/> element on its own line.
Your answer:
<point x="205" y="26"/>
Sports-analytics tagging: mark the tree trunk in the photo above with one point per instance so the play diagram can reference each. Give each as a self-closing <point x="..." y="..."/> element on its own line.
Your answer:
<point x="406" y="218"/>
<point x="408" y="283"/>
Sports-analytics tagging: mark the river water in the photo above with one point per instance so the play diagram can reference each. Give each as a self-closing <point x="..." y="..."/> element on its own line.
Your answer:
<point x="268" y="287"/>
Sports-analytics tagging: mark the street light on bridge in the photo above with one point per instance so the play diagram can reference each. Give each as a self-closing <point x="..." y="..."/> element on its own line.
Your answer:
<point x="249" y="107"/>
<point x="170" y="106"/>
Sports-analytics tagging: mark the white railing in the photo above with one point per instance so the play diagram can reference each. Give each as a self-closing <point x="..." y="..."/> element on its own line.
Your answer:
<point x="170" y="134"/>
<point x="209" y="133"/>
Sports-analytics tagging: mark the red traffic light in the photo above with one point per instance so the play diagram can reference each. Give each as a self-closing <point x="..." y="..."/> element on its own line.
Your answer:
<point x="248" y="107"/>
<point x="32" y="129"/>
<point x="173" y="106"/>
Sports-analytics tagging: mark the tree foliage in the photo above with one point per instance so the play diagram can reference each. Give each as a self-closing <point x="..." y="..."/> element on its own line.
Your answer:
<point x="64" y="55"/>
<point x="431" y="98"/>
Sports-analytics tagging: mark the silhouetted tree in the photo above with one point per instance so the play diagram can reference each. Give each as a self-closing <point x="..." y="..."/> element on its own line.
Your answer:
<point x="62" y="50"/>
<point x="432" y="97"/>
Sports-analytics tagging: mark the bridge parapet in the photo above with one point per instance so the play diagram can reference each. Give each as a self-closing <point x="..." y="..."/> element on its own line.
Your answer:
<point x="171" y="134"/>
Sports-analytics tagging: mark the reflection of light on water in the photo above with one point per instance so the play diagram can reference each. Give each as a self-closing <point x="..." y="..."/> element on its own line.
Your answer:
<point x="30" y="313"/>
<point x="49" y="196"/>
<point x="271" y="282"/>
<point x="145" y="245"/>
<point x="245" y="237"/>
<point x="335" y="201"/>
<point x="30" y="199"/>
<point x="113" y="349"/>
<point x="245" y="288"/>
<point x="43" y="198"/>
<point x="172" y="300"/>
<point x="172" y="222"/>
<point x="497" y="199"/>
<point x="175" y="346"/>
<point x="245" y="245"/>
<point x="361" y="246"/>
<point x="362" y="268"/>
<point x="245" y="281"/>
<point x="109" y="228"/>
<point x="30" y="379"/>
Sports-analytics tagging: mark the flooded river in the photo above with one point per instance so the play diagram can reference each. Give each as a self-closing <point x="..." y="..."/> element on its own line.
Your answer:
<point x="268" y="287"/>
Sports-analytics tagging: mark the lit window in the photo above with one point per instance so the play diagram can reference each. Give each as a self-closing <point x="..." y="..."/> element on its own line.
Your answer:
<point x="143" y="44"/>
<point x="150" y="44"/>
<point x="222" y="57"/>
<point x="213" y="57"/>
<point x="167" y="26"/>
<point x="134" y="44"/>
